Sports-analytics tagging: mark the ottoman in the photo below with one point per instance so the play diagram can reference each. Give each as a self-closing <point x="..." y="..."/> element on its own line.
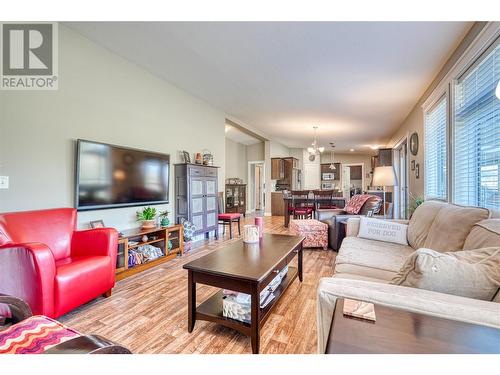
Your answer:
<point x="315" y="232"/>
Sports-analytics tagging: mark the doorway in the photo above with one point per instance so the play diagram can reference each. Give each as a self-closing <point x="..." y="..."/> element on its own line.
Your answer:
<point x="353" y="179"/>
<point x="401" y="163"/>
<point x="256" y="186"/>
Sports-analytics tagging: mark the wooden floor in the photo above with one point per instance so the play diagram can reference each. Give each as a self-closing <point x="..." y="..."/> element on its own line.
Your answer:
<point x="148" y="312"/>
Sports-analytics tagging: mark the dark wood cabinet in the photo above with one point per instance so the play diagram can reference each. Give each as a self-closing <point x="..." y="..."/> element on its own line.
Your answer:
<point x="236" y="198"/>
<point x="384" y="157"/>
<point x="356" y="172"/>
<point x="325" y="168"/>
<point x="277" y="169"/>
<point x="196" y="191"/>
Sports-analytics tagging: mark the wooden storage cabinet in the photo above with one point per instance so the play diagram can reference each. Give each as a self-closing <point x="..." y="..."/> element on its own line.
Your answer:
<point x="196" y="190"/>
<point x="356" y="172"/>
<point x="236" y="198"/>
<point x="277" y="169"/>
<point x="158" y="237"/>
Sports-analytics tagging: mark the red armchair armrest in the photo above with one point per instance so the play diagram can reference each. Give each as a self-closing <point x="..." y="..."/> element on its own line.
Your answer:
<point x="101" y="241"/>
<point x="27" y="271"/>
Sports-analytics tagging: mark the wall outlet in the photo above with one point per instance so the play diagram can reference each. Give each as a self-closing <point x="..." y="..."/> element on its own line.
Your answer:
<point x="4" y="182"/>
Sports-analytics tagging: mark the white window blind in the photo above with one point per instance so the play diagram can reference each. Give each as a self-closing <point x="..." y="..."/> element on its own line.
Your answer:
<point x="435" y="151"/>
<point x="477" y="133"/>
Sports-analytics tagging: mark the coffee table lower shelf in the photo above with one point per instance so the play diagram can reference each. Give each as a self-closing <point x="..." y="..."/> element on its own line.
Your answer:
<point x="211" y="309"/>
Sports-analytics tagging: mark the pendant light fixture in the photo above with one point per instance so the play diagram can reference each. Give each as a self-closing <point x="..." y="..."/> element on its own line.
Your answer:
<point x="314" y="149"/>
<point x="332" y="158"/>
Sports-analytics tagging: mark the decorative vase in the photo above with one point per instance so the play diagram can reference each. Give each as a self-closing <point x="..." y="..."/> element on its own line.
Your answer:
<point x="259" y="223"/>
<point x="148" y="224"/>
<point x="165" y="221"/>
<point x="250" y="234"/>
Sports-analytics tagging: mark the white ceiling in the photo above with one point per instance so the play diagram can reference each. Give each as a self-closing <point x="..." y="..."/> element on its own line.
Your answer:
<point x="356" y="80"/>
<point x="236" y="135"/>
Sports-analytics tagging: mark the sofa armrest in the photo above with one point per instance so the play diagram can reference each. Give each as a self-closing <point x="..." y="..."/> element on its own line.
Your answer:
<point x="13" y="310"/>
<point x="100" y="241"/>
<point x="410" y="299"/>
<point x="27" y="271"/>
<point x="328" y="214"/>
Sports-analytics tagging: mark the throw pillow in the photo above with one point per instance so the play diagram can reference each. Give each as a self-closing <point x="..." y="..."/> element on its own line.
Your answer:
<point x="356" y="203"/>
<point x="470" y="273"/>
<point x="382" y="230"/>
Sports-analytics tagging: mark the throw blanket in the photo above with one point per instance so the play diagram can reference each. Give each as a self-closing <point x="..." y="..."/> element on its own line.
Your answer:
<point x="34" y="335"/>
<point x="356" y="203"/>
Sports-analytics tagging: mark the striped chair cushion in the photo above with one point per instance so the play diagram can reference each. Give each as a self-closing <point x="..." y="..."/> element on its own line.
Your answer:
<point x="34" y="335"/>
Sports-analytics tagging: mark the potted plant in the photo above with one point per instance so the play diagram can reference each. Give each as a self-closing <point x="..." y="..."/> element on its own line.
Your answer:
<point x="164" y="220"/>
<point x="415" y="201"/>
<point x="147" y="215"/>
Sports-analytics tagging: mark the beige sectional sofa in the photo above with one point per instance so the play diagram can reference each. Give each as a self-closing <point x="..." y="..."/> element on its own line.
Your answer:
<point x="364" y="268"/>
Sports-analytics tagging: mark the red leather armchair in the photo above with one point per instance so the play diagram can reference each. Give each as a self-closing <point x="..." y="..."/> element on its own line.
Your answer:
<point x="45" y="261"/>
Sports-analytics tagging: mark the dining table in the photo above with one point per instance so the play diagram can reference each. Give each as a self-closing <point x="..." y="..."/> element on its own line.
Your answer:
<point x="337" y="201"/>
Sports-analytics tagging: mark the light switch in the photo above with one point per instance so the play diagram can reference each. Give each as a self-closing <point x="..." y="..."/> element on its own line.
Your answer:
<point x="4" y="182"/>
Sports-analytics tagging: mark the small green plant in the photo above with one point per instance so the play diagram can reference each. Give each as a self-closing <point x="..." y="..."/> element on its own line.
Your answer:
<point x="415" y="201"/>
<point x="147" y="213"/>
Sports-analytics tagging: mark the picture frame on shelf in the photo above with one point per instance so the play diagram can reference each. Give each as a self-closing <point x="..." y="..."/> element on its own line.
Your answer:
<point x="187" y="157"/>
<point x="94" y="224"/>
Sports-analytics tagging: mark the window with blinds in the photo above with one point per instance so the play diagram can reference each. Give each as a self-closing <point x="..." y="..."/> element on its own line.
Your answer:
<point x="476" y="167"/>
<point x="435" y="151"/>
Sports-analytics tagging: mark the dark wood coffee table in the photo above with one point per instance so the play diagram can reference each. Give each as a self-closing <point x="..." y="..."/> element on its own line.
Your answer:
<point x="402" y="332"/>
<point x="246" y="268"/>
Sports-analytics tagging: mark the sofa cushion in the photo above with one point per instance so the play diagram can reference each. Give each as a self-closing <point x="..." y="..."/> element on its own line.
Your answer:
<point x="373" y="203"/>
<point x="486" y="233"/>
<point x="382" y="276"/>
<point x="375" y="254"/>
<point x="471" y="273"/>
<point x="452" y="225"/>
<point x="382" y="230"/>
<point x="80" y="279"/>
<point x="421" y="222"/>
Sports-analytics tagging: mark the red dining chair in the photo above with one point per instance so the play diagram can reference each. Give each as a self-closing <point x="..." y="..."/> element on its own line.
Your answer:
<point x="227" y="219"/>
<point x="302" y="205"/>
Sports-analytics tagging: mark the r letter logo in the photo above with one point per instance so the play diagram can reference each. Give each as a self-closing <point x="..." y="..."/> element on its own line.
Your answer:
<point x="28" y="58"/>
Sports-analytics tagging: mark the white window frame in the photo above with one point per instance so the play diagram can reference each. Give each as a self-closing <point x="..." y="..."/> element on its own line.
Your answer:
<point x="429" y="104"/>
<point x="446" y="86"/>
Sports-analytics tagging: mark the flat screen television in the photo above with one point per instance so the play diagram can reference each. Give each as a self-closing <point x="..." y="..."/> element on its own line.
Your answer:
<point x="109" y="176"/>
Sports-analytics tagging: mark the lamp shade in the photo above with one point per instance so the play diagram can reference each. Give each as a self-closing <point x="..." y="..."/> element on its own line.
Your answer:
<point x="384" y="176"/>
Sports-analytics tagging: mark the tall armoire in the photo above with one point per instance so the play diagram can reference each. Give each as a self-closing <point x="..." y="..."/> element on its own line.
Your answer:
<point x="196" y="196"/>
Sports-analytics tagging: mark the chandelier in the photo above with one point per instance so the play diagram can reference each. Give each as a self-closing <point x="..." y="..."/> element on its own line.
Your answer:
<point x="314" y="149"/>
<point x="332" y="158"/>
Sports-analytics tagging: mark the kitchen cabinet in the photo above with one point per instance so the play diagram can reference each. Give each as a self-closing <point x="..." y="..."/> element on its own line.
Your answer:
<point x="356" y="172"/>
<point x="277" y="169"/>
<point x="325" y="168"/>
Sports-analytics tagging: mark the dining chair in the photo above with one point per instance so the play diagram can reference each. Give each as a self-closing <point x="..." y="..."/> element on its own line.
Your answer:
<point x="302" y="205"/>
<point x="323" y="199"/>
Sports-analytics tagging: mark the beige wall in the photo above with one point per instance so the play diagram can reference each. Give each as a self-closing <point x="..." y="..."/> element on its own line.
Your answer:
<point x="236" y="160"/>
<point x="414" y="122"/>
<point x="101" y="97"/>
<point x="255" y="152"/>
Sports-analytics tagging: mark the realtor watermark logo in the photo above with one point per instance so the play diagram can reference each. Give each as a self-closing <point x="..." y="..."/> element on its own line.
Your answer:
<point x="28" y="56"/>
